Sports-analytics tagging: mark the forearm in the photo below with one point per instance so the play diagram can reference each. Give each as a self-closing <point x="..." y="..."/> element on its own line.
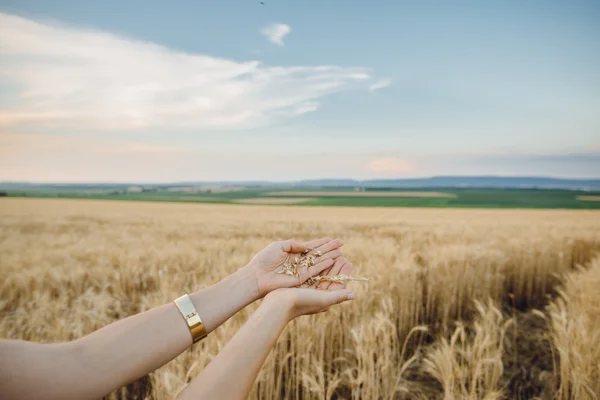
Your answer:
<point x="216" y="304"/>
<point x="96" y="364"/>
<point x="120" y="352"/>
<point x="231" y="374"/>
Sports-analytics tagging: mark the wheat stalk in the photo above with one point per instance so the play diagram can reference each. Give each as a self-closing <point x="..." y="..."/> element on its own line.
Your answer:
<point x="335" y="278"/>
<point x="308" y="260"/>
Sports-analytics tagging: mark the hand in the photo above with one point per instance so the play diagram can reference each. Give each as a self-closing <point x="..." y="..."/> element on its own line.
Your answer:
<point x="303" y="301"/>
<point x="266" y="264"/>
<point x="306" y="301"/>
<point x="341" y="266"/>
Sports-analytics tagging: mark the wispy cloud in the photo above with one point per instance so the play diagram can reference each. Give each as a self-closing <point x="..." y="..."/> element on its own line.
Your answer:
<point x="86" y="79"/>
<point x="276" y="32"/>
<point x="380" y="84"/>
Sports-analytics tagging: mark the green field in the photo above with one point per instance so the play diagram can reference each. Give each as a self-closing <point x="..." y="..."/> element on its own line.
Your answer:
<point x="457" y="198"/>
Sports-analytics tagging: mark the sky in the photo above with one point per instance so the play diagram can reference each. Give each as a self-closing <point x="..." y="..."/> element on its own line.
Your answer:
<point x="156" y="91"/>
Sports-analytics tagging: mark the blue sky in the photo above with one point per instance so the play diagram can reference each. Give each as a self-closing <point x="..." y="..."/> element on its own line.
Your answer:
<point x="198" y="90"/>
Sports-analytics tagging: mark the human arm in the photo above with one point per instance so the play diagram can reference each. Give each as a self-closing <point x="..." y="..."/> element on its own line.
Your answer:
<point x="231" y="374"/>
<point x="128" y="349"/>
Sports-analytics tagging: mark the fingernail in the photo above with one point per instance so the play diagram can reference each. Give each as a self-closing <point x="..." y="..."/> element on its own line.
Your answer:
<point x="350" y="296"/>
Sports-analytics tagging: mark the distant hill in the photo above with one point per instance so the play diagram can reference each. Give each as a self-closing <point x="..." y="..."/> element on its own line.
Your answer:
<point x="477" y="182"/>
<point x="483" y="182"/>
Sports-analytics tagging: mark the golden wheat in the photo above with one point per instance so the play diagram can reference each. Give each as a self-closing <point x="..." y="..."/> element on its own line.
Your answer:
<point x="575" y="318"/>
<point x="460" y="303"/>
<point x="309" y="260"/>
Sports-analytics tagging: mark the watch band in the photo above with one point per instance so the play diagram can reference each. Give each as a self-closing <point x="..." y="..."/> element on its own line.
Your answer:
<point x="189" y="313"/>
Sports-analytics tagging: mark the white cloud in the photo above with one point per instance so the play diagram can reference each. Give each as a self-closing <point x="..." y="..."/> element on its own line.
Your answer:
<point x="276" y="32"/>
<point x="85" y="79"/>
<point x="306" y="107"/>
<point x="380" y="84"/>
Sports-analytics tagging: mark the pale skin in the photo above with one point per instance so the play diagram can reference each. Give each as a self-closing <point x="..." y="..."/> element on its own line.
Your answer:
<point x="120" y="353"/>
<point x="231" y="374"/>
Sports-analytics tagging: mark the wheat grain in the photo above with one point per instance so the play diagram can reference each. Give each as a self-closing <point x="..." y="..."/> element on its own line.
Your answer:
<point x="333" y="278"/>
<point x="309" y="260"/>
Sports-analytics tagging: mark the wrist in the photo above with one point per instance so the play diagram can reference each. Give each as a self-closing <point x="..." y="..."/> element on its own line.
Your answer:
<point x="253" y="278"/>
<point x="280" y="302"/>
<point x="233" y="293"/>
<point x="248" y="276"/>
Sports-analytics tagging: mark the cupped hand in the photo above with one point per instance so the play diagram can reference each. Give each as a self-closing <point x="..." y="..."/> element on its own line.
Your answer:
<point x="305" y="301"/>
<point x="317" y="297"/>
<point x="267" y="263"/>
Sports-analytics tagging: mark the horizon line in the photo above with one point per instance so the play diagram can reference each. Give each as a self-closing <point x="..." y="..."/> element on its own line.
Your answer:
<point x="270" y="181"/>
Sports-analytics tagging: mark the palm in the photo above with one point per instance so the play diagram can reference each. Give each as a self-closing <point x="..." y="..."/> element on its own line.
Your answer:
<point x="310" y="300"/>
<point x="267" y="263"/>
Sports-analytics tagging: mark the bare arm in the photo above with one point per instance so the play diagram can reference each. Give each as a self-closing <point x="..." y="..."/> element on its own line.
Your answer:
<point x="231" y="374"/>
<point x="128" y="349"/>
<point x="118" y="353"/>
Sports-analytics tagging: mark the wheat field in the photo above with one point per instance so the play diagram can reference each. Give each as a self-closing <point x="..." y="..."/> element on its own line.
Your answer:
<point x="461" y="304"/>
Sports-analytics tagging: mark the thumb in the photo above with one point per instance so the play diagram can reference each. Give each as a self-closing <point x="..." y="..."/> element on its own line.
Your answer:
<point x="292" y="246"/>
<point x="338" y="296"/>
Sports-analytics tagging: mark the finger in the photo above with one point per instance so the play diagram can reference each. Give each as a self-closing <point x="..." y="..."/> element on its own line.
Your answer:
<point x="330" y="246"/>
<point x="292" y="246"/>
<point x="313" y="244"/>
<point x="315" y="269"/>
<point x="336" y="297"/>
<point x="319" y="267"/>
<point x="333" y="254"/>
<point x="334" y="270"/>
<point x="318" y="285"/>
<point x="313" y="285"/>
<point x="346" y="270"/>
<point x="323" y="285"/>
<point x="325" y="272"/>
